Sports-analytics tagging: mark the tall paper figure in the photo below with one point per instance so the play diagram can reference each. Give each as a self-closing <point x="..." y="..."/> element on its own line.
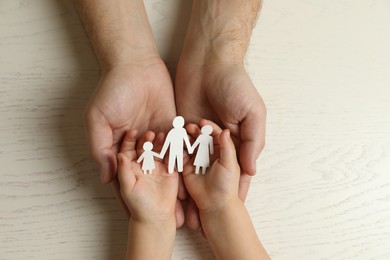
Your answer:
<point x="174" y="141"/>
<point x="148" y="158"/>
<point x="206" y="147"/>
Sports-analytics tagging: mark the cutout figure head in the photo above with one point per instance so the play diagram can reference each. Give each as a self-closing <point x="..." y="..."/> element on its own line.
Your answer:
<point x="207" y="129"/>
<point x="148" y="146"/>
<point x="178" y="122"/>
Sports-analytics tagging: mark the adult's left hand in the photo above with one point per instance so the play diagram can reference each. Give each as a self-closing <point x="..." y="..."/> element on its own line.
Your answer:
<point x="225" y="94"/>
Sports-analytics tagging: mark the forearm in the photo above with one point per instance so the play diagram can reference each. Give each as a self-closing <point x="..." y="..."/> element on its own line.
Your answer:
<point x="119" y="31"/>
<point x="231" y="233"/>
<point x="150" y="241"/>
<point x="219" y="31"/>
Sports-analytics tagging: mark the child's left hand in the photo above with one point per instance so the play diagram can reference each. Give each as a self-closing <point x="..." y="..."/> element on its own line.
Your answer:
<point x="215" y="189"/>
<point x="150" y="198"/>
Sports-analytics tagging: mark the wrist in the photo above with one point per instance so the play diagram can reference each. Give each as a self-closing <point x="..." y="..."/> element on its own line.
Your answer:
<point x="150" y="240"/>
<point x="119" y="31"/>
<point x="233" y="224"/>
<point x="219" y="222"/>
<point x="219" y="31"/>
<point x="164" y="228"/>
<point x="164" y="216"/>
<point x="127" y="56"/>
<point x="215" y="214"/>
<point x="130" y="59"/>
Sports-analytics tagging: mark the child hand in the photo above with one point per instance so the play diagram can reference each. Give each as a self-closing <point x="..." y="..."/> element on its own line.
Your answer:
<point x="223" y="216"/>
<point x="219" y="186"/>
<point x="150" y="198"/>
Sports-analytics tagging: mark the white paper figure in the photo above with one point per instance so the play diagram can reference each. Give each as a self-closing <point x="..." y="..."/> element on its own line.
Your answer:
<point x="148" y="158"/>
<point x="174" y="141"/>
<point x="206" y="147"/>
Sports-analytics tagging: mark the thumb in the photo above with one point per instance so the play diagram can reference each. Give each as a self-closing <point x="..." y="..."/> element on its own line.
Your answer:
<point x="227" y="152"/>
<point x="100" y="144"/>
<point x="253" y="139"/>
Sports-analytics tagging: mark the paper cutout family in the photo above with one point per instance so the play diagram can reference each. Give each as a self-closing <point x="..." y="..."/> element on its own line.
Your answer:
<point x="174" y="141"/>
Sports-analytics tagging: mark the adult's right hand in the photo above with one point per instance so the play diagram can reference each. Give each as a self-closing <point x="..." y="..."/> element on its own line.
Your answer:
<point x="133" y="96"/>
<point x="135" y="90"/>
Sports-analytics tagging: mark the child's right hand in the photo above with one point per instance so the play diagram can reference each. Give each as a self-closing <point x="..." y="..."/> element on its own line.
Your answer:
<point x="150" y="198"/>
<point x="218" y="188"/>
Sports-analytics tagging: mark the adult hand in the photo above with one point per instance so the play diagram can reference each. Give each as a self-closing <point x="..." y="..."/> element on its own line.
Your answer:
<point x="211" y="81"/>
<point x="134" y="96"/>
<point x="226" y="95"/>
<point x="135" y="90"/>
<point x="127" y="97"/>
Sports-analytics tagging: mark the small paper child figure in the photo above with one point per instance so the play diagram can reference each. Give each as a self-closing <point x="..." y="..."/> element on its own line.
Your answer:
<point x="206" y="147"/>
<point x="175" y="138"/>
<point x="148" y="157"/>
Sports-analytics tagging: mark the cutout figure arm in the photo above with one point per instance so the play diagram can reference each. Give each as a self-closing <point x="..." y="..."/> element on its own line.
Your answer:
<point x="194" y="146"/>
<point x="157" y="155"/>
<point x="166" y="145"/>
<point x="141" y="158"/>
<point x="188" y="144"/>
<point x="211" y="146"/>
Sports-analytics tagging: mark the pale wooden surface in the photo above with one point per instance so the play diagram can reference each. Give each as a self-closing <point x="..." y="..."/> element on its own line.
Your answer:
<point x="323" y="189"/>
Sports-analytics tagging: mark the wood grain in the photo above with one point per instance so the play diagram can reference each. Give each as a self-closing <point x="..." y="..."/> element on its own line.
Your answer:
<point x="323" y="184"/>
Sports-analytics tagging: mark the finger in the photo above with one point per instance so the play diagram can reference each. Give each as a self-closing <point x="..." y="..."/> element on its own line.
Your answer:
<point x="179" y="214"/>
<point x="182" y="193"/>
<point x="193" y="130"/>
<point x="216" y="129"/>
<point x="253" y="141"/>
<point x="129" y="144"/>
<point x="193" y="220"/>
<point x="243" y="186"/>
<point x="234" y="133"/>
<point x="186" y="158"/>
<point x="100" y="141"/>
<point x="108" y="167"/>
<point x="125" y="174"/>
<point x="227" y="151"/>
<point x="159" y="141"/>
<point x="116" y="188"/>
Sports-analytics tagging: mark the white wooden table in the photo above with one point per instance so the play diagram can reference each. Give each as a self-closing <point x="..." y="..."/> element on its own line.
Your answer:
<point x="323" y="186"/>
